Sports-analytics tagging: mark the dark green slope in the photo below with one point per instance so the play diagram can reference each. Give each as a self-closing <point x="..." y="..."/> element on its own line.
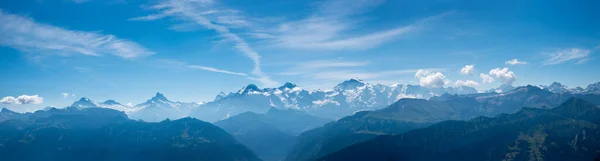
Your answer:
<point x="97" y="134"/>
<point x="568" y="132"/>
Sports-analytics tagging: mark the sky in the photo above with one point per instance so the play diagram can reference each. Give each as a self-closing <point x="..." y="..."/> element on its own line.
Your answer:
<point x="52" y="52"/>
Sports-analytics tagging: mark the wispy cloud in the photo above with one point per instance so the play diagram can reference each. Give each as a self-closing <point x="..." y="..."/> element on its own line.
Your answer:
<point x="209" y="15"/>
<point x="67" y="95"/>
<point x="26" y="35"/>
<point x="211" y="69"/>
<point x="23" y="99"/>
<point x="179" y="64"/>
<point x="514" y="62"/>
<point x="577" y="55"/>
<point x="331" y="25"/>
<point x="322" y="64"/>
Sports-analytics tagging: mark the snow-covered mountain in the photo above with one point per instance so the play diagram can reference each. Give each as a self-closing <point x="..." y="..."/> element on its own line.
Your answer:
<point x="85" y="102"/>
<point x="342" y="100"/>
<point x="156" y="109"/>
<point x="159" y="108"/>
<point x="556" y="87"/>
<point x="593" y="88"/>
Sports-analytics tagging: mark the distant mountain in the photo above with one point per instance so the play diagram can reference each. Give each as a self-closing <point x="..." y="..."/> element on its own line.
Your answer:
<point x="85" y="102"/>
<point x="100" y="134"/>
<point x="408" y="114"/>
<point x="567" y="132"/>
<point x="343" y="100"/>
<point x="593" y="88"/>
<point x="6" y="114"/>
<point x="270" y="135"/>
<point x="267" y="141"/>
<point x="556" y="87"/>
<point x="503" y="88"/>
<point x="159" y="108"/>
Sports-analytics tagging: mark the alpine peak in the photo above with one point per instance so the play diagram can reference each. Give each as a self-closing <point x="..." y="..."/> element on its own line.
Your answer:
<point x="350" y="84"/>
<point x="288" y="85"/>
<point x="248" y="88"/>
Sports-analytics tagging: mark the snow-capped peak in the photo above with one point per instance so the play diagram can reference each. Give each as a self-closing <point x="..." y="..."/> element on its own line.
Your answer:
<point x="248" y="89"/>
<point x="220" y="96"/>
<point x="159" y="97"/>
<point x="84" y="102"/>
<point x="557" y="87"/>
<point x="593" y="88"/>
<point x="111" y="102"/>
<point x="350" y="84"/>
<point x="288" y="85"/>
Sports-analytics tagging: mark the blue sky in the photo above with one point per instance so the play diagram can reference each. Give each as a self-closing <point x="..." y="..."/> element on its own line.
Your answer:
<point x="191" y="50"/>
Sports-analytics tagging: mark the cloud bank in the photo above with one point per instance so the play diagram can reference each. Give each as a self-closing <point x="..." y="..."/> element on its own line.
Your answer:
<point x="23" y="99"/>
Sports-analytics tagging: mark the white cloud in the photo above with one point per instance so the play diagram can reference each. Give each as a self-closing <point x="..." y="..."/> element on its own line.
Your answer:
<point x="467" y="70"/>
<point x="206" y="13"/>
<point x="67" y="95"/>
<point x="23" y="99"/>
<point x="431" y="79"/>
<point x="504" y="75"/>
<point x="486" y="78"/>
<point x="469" y="83"/>
<point x="514" y="62"/>
<point x="26" y="35"/>
<point x="215" y="70"/>
<point x="574" y="54"/>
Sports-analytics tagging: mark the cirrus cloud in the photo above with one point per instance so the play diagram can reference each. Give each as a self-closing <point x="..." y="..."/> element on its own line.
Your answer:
<point x="574" y="54"/>
<point x="27" y="35"/>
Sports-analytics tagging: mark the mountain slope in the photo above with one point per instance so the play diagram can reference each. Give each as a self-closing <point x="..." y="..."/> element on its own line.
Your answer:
<point x="270" y="135"/>
<point x="99" y="134"/>
<point x="408" y="114"/>
<point x="268" y="142"/>
<point x="6" y="114"/>
<point x="568" y="132"/>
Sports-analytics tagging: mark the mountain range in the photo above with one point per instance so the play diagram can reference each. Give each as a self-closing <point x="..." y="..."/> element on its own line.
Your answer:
<point x="567" y="132"/>
<point x="100" y="134"/>
<point x="290" y="123"/>
<point x="344" y="99"/>
<point x="408" y="114"/>
<point x="155" y="109"/>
